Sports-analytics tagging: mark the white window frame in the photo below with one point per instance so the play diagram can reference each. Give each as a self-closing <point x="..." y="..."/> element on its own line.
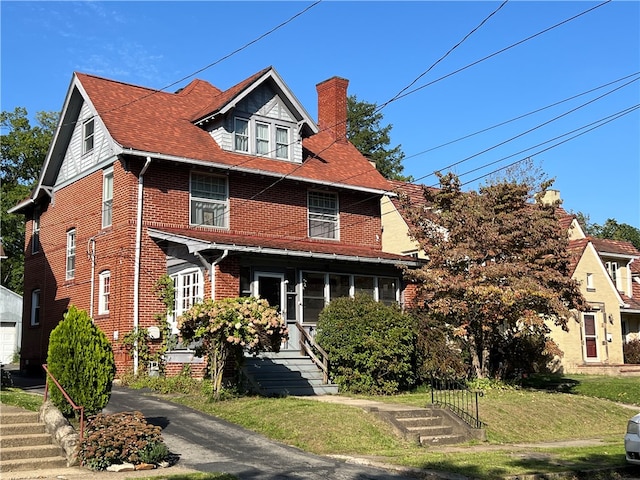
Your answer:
<point x="263" y="142"/>
<point x="35" y="307"/>
<point x="269" y="145"/>
<point x="35" y="235"/>
<point x="107" y="198"/>
<point x="88" y="135"/>
<point x="241" y="137"/>
<point x="104" y="295"/>
<point x="190" y="281"/>
<point x="589" y="284"/>
<point x="71" y="254"/>
<point x="215" y="203"/>
<point x="282" y="150"/>
<point x="320" y="214"/>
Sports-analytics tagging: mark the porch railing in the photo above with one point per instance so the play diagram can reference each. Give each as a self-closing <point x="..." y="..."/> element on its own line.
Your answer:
<point x="66" y="396"/>
<point x="308" y="346"/>
<point x="455" y="396"/>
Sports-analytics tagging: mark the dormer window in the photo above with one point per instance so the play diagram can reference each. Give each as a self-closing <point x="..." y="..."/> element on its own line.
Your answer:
<point x="262" y="137"/>
<point x="88" y="129"/>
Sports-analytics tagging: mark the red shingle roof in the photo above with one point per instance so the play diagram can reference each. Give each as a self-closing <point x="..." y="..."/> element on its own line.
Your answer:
<point x="575" y="249"/>
<point x="157" y="122"/>
<point x="617" y="247"/>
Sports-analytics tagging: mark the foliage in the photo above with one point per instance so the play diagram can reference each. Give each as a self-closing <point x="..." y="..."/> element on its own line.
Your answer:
<point x="119" y="438"/>
<point x="631" y="352"/>
<point x="371" y="346"/>
<point x="81" y="359"/>
<point x="497" y="270"/>
<point x="19" y="398"/>
<point x="23" y="150"/>
<point x="438" y="350"/>
<point x="611" y="230"/>
<point x="366" y="134"/>
<point x="181" y="383"/>
<point x="140" y="339"/>
<point x="227" y="327"/>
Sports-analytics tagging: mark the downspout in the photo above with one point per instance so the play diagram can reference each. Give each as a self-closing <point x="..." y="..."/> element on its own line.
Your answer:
<point x="91" y="252"/>
<point x="136" y="265"/>
<point x="212" y="267"/>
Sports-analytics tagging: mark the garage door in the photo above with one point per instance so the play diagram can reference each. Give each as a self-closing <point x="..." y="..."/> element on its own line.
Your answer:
<point x="7" y="341"/>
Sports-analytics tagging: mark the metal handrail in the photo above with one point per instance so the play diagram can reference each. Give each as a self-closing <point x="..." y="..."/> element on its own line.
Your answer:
<point x="455" y="396"/>
<point x="66" y="396"/>
<point x="307" y="347"/>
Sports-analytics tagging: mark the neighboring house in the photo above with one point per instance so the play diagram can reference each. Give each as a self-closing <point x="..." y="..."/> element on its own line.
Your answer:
<point x="231" y="193"/>
<point x="10" y="324"/>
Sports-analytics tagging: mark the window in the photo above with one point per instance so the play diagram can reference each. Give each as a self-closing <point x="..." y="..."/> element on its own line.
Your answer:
<point x="387" y="290"/>
<point x="262" y="139"/>
<point x="323" y="215"/>
<point x="88" y="129"/>
<point x="107" y="198"/>
<point x="590" y="336"/>
<point x="35" y="308"/>
<point x="241" y="135"/>
<point x="612" y="268"/>
<point x="188" y="286"/>
<point x="590" y="282"/>
<point x="35" y="237"/>
<point x="209" y="200"/>
<point x="282" y="143"/>
<point x="71" y="254"/>
<point x="105" y="292"/>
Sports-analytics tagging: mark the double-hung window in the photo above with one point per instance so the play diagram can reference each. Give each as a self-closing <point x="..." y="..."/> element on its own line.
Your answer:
<point x="88" y="131"/>
<point x="323" y="215"/>
<point x="35" y="307"/>
<point x="209" y="200"/>
<point x="107" y="198"/>
<point x="104" y="292"/>
<point x="262" y="138"/>
<point x="241" y="135"/>
<point x="282" y="143"/>
<point x="71" y="254"/>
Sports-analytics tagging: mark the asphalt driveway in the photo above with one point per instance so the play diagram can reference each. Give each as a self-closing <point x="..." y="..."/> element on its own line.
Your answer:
<point x="209" y="444"/>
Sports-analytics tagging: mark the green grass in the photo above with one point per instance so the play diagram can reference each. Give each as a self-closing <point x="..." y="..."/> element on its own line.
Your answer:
<point x="20" y="398"/>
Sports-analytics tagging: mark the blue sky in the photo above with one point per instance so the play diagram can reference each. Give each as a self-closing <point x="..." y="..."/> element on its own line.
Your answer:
<point x="381" y="48"/>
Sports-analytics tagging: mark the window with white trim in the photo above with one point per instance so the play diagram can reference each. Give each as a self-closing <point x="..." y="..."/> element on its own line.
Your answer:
<point x="323" y="215"/>
<point x="590" y="282"/>
<point x="282" y="143"/>
<point x="35" y="236"/>
<point x="35" y="307"/>
<point x="262" y="137"/>
<point x="612" y="268"/>
<point x="107" y="198"/>
<point x="188" y="286"/>
<point x="241" y="135"/>
<point x="104" y="292"/>
<point x="88" y="134"/>
<point x="71" y="254"/>
<point x="209" y="200"/>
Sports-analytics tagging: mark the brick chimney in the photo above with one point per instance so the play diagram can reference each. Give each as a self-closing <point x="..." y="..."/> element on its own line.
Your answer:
<point x="332" y="107"/>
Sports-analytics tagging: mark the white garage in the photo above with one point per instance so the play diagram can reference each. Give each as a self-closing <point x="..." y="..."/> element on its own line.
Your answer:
<point x="10" y="324"/>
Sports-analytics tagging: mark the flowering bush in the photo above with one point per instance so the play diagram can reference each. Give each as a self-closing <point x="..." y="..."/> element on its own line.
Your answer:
<point x="221" y="327"/>
<point x="119" y="438"/>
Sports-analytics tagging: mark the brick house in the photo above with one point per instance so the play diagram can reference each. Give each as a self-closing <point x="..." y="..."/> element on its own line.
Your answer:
<point x="235" y="192"/>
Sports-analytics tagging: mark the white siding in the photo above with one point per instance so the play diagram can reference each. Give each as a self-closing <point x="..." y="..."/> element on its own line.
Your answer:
<point x="75" y="164"/>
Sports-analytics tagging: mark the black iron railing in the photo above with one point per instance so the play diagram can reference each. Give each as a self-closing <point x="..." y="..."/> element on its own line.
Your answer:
<point x="458" y="398"/>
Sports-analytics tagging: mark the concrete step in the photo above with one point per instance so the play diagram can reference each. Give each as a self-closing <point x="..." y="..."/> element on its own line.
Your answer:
<point x="21" y="428"/>
<point x="427" y="440"/>
<point x="422" y="421"/>
<point x="35" y="464"/>
<point x="30" y="452"/>
<point x="431" y="431"/>
<point x="25" y="440"/>
<point x="18" y="417"/>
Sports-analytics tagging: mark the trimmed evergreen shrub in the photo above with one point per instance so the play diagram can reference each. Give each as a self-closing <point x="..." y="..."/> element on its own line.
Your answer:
<point x="371" y="346"/>
<point x="119" y="438"/>
<point x="632" y="352"/>
<point x="81" y="359"/>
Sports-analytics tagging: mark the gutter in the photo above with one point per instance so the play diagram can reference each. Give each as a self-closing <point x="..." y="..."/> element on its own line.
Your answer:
<point x="136" y="264"/>
<point x="212" y="267"/>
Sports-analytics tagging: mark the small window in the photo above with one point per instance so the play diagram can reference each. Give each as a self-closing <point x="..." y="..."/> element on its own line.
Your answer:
<point x="282" y="142"/>
<point x="35" y="307"/>
<point x="104" y="292"/>
<point x="71" y="254"/>
<point x="323" y="215"/>
<point x="35" y="237"/>
<point x="242" y="135"/>
<point x="88" y="129"/>
<point x="188" y="287"/>
<point x="209" y="200"/>
<point x="262" y="139"/>
<point x="107" y="198"/>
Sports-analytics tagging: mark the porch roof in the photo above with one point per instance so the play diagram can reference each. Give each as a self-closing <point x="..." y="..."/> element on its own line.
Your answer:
<point x="199" y="240"/>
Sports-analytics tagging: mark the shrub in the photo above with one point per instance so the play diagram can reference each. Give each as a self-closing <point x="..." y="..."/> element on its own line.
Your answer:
<point x="119" y="438"/>
<point x="81" y="359"/>
<point x="631" y="351"/>
<point x="371" y="346"/>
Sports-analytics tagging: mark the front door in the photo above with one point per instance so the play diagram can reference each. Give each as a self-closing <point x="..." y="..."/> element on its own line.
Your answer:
<point x="272" y="287"/>
<point x="590" y="337"/>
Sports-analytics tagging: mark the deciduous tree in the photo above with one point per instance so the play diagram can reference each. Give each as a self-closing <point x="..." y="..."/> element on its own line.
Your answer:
<point x="497" y="269"/>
